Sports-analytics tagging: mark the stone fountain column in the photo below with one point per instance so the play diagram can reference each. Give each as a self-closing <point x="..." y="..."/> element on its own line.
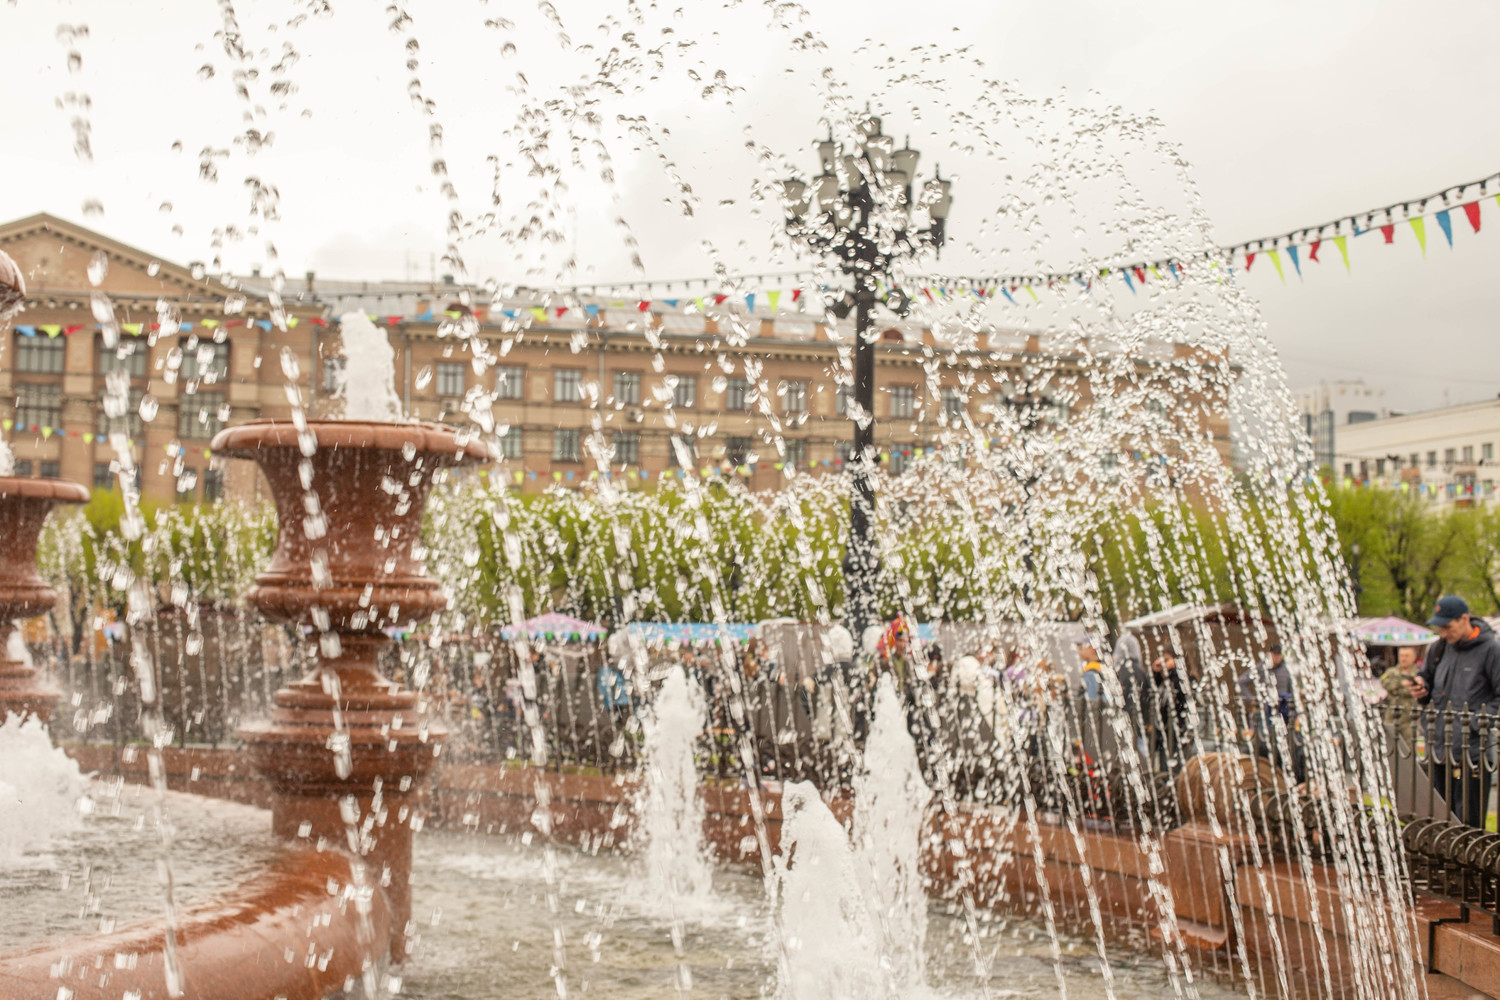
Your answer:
<point x="346" y="750"/>
<point x="24" y="505"/>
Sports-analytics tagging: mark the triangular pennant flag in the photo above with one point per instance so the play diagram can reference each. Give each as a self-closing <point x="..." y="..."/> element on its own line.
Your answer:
<point x="7" y="424"/>
<point x="1446" y="225"/>
<point x="1276" y="259"/>
<point x="796" y="294"/>
<point x="592" y="310"/>
<point x="1312" y="251"/>
<point x="264" y="324"/>
<point x="1125" y="273"/>
<point x="643" y="306"/>
<point x="1388" y="231"/>
<point x="134" y="329"/>
<point x="719" y="299"/>
<point x="50" y="329"/>
<point x="561" y="311"/>
<point x="1249" y="259"/>
<point x="1342" y="242"/>
<point x="211" y="323"/>
<point x="68" y="331"/>
<point x="1032" y="292"/>
<point x="1140" y="275"/>
<point x="750" y="302"/>
<point x="699" y="303"/>
<point x="46" y="432"/>
<point x="88" y="437"/>
<point x="775" y="299"/>
<point x="291" y="322"/>
<point x="671" y="303"/>
<point x="26" y="331"/>
<point x="1419" y="226"/>
<point x="1006" y="293"/>
<point x="1292" y="253"/>
<point x="539" y="312"/>
<point x="1471" y="211"/>
<point x="928" y="292"/>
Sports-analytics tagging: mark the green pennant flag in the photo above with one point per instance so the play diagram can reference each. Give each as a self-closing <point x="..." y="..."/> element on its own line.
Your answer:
<point x="1276" y="259"/>
<point x="539" y="312"/>
<point x="1419" y="226"/>
<point x="50" y="329"/>
<point x="1342" y="242"/>
<point x="773" y="298"/>
<point x="1032" y="292"/>
<point x="701" y="311"/>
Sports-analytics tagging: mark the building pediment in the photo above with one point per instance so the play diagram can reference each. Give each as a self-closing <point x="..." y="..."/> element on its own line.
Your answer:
<point x="54" y="256"/>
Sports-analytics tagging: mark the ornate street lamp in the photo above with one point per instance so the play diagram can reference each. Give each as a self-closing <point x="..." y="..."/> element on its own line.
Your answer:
<point x="860" y="211"/>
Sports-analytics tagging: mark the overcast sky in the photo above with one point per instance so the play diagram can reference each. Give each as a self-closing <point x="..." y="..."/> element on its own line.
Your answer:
<point x="1291" y="113"/>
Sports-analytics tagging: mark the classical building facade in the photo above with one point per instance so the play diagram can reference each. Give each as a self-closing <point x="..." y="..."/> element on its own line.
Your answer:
<point x="647" y="389"/>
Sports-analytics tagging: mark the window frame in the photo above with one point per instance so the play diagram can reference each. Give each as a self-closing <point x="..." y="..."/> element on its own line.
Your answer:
<point x="573" y="453"/>
<point x="567" y="385"/>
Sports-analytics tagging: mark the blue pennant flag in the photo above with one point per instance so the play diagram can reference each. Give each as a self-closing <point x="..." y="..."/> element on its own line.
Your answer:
<point x="427" y="316"/>
<point x="26" y="331"/>
<point x="1125" y="272"/>
<point x="264" y="324"/>
<point x="592" y="310"/>
<point x="1446" y="225"/>
<point x="1292" y="253"/>
<point x="1006" y="293"/>
<point x="750" y="302"/>
<point x="672" y="303"/>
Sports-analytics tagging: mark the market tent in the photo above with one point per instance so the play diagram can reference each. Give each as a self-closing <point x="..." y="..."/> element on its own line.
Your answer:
<point x="1391" y="631"/>
<point x="558" y="627"/>
<point x="663" y="632"/>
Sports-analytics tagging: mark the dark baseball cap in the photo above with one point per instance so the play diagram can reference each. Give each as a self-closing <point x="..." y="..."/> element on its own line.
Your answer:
<point x="1448" y="608"/>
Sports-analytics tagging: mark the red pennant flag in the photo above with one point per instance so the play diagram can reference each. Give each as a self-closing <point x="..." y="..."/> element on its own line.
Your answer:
<point x="1389" y="232"/>
<point x="797" y="292"/>
<point x="68" y="331"/>
<point x="1249" y="259"/>
<point x="1472" y="211"/>
<point x="561" y="310"/>
<point x="1312" y="251"/>
<point x="317" y="321"/>
<point x="392" y="320"/>
<point x="643" y="306"/>
<point x="232" y="322"/>
<point x="1140" y="274"/>
<point x="480" y="313"/>
<point x="719" y="299"/>
<point x="928" y="292"/>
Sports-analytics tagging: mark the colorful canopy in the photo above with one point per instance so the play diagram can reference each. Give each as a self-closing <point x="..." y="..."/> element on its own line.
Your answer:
<point x="558" y="627"/>
<point x="1391" y="632"/>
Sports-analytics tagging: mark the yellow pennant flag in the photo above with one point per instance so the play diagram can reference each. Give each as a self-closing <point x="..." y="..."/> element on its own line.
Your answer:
<point x="1342" y="242"/>
<point x="539" y="312"/>
<point x="1276" y="259"/>
<point x="291" y="322"/>
<point x="1032" y="292"/>
<point x="774" y="298"/>
<point x="1419" y="226"/>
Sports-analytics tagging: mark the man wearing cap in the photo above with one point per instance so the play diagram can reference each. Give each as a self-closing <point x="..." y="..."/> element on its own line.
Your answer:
<point x="1462" y="671"/>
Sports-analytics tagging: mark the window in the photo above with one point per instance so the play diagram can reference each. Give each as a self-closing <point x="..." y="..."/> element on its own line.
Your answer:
<point x="1487" y="452"/>
<point x="844" y="397"/>
<point x="205" y="360"/>
<point x="737" y="396"/>
<point x="1348" y="470"/>
<point x="903" y="401"/>
<point x="843" y="450"/>
<point x="627" y="448"/>
<point x="1468" y="454"/>
<point x="128" y="423"/>
<point x="1432" y="459"/>
<point x="333" y="374"/>
<point x="684" y="452"/>
<point x="566" y="385"/>
<point x="41" y="355"/>
<point x="23" y="466"/>
<point x="684" y="390"/>
<point x="104" y="477"/>
<point x="796" y="452"/>
<point x="51" y="470"/>
<point x="128" y="357"/>
<point x="737" y="450"/>
<point x="509" y="382"/>
<point x="565" y="444"/>
<point x="794" y="397"/>
<point x="900" y="459"/>
<point x="1449" y="456"/>
<point x="213" y="484"/>
<point x="628" y="388"/>
<point x="201" y="415"/>
<point x="953" y="405"/>
<point x="510" y="443"/>
<point x="1380" y="467"/>
<point x="38" y="405"/>
<point x="450" y="378"/>
<point x="1416" y="459"/>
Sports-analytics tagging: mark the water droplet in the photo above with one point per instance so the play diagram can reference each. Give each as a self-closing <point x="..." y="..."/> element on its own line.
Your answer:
<point x="98" y="268"/>
<point x="424" y="377"/>
<point x="153" y="268"/>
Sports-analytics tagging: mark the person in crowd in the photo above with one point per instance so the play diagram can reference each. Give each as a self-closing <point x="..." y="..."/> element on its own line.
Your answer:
<point x="1400" y="709"/>
<point x="614" y="691"/>
<point x="1266" y="690"/>
<point x="1461" y="672"/>
<point x="1135" y="690"/>
<point x="1093" y="668"/>
<point x="1170" y="695"/>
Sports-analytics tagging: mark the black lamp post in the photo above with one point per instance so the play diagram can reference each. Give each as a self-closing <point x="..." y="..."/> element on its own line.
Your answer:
<point x="860" y="210"/>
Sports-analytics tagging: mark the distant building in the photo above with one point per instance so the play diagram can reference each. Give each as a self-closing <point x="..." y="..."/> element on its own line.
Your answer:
<point x="648" y="390"/>
<point x="1330" y="405"/>
<point x="1446" y="455"/>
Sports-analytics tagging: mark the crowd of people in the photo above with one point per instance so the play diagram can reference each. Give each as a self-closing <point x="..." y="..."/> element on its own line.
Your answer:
<point x="800" y="714"/>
